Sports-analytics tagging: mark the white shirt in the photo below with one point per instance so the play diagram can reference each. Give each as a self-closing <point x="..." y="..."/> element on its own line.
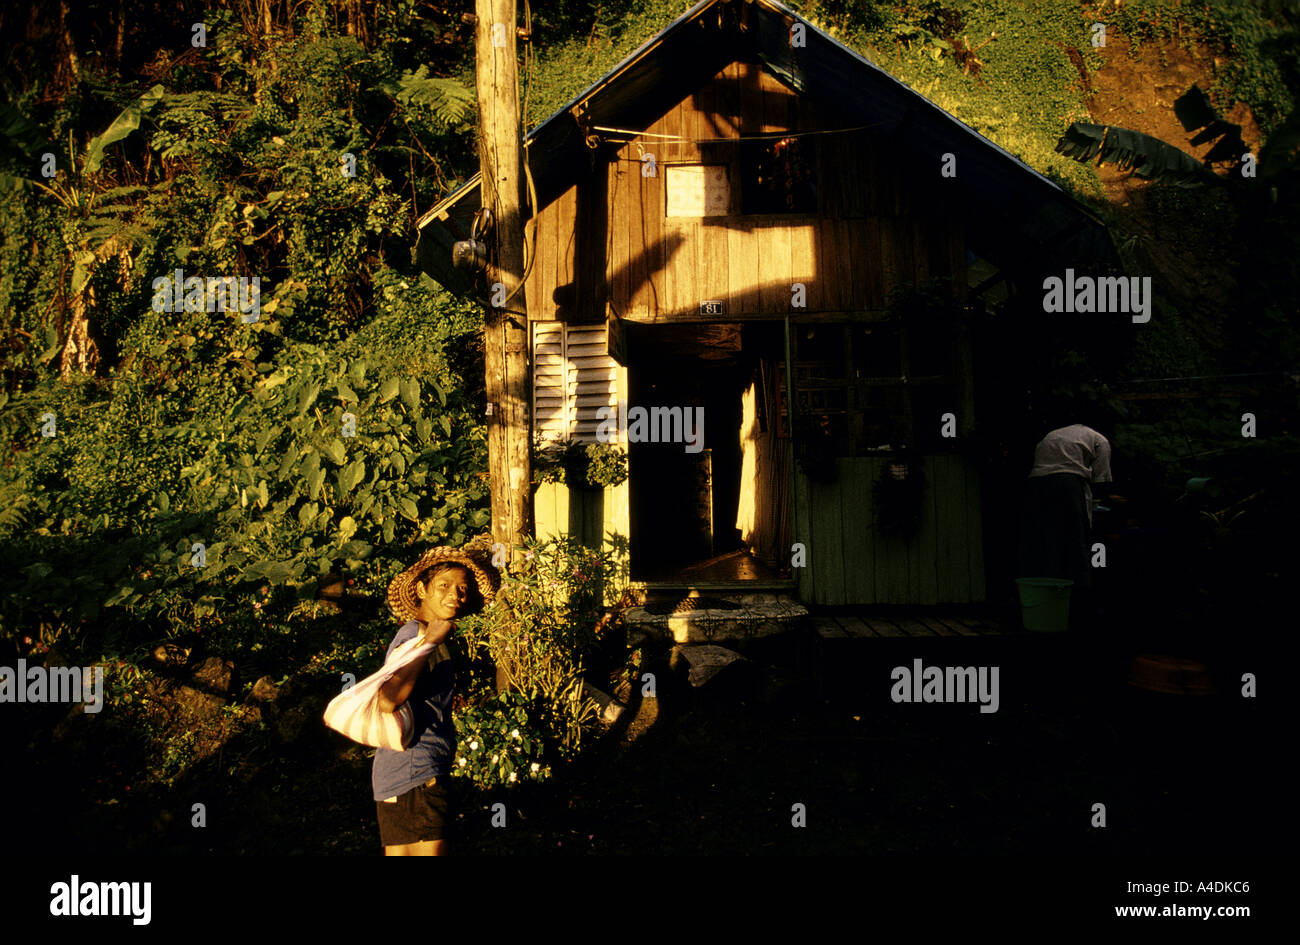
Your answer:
<point x="1074" y="449"/>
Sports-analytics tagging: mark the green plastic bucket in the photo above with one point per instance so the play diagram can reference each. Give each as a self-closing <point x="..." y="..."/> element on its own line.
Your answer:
<point x="1045" y="603"/>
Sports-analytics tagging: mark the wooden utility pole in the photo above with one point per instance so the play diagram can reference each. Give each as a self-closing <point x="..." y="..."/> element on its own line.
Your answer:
<point x="506" y="329"/>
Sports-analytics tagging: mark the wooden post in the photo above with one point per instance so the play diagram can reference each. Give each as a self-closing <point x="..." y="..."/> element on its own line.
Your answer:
<point x="506" y="328"/>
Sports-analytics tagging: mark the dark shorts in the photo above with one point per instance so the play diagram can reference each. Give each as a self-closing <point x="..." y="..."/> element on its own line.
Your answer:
<point x="422" y="813"/>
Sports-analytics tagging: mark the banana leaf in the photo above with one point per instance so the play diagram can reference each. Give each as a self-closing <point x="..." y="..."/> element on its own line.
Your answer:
<point x="1148" y="157"/>
<point x="125" y="123"/>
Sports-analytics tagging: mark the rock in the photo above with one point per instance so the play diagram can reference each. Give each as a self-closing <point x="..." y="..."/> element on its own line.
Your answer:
<point x="197" y="704"/>
<point x="170" y="654"/>
<point x="331" y="587"/>
<point x="610" y="708"/>
<point x="215" y="673"/>
<point x="264" y="690"/>
<point x="703" y="662"/>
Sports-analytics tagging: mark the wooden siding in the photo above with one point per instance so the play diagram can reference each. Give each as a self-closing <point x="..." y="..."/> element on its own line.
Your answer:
<point x="627" y="259"/>
<point x="850" y="562"/>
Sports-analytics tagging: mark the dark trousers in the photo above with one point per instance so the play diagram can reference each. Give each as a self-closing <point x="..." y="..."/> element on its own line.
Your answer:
<point x="1054" y="529"/>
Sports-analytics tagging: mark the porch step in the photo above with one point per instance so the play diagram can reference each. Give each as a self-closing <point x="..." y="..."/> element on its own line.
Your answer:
<point x="718" y="616"/>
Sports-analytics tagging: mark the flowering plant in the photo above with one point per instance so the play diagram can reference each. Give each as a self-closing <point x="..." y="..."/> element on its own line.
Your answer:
<point x="498" y="744"/>
<point x="542" y="626"/>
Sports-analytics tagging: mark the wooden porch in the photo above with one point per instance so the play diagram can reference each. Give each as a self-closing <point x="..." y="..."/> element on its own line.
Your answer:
<point x="839" y="624"/>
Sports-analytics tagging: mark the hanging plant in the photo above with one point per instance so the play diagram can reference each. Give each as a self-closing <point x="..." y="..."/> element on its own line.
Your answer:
<point x="581" y="465"/>
<point x="899" y="492"/>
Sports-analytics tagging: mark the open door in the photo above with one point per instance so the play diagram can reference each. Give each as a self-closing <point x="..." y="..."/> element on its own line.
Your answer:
<point x="689" y="500"/>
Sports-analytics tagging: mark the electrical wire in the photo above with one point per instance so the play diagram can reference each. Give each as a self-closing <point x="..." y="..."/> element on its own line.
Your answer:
<point x="773" y="136"/>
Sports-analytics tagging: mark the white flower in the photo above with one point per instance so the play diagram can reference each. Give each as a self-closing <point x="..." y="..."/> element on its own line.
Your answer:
<point x="494" y="758"/>
<point x="534" y="767"/>
<point x="518" y="750"/>
<point x="462" y="762"/>
<point x="473" y="746"/>
<point x="514" y="734"/>
<point x="512" y="776"/>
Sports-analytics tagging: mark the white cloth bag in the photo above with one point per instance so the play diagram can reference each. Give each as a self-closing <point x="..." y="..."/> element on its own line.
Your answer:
<point x="356" y="713"/>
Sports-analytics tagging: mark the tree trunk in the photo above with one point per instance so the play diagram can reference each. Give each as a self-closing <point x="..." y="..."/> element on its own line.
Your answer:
<point x="80" y="353"/>
<point x="69" y="47"/>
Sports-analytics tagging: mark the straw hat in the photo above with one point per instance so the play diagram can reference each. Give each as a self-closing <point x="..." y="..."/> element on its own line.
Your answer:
<point x="474" y="558"/>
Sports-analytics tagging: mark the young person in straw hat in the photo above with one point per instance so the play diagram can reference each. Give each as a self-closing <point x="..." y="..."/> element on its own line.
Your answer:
<point x="410" y="787"/>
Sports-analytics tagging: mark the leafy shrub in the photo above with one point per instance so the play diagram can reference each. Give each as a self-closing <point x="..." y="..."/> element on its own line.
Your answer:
<point x="590" y="465"/>
<point x="541" y="629"/>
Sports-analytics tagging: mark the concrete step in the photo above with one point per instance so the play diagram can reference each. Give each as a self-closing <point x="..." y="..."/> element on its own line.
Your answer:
<point x="715" y="617"/>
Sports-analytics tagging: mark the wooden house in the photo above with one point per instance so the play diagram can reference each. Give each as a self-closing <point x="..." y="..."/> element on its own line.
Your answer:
<point x="749" y="218"/>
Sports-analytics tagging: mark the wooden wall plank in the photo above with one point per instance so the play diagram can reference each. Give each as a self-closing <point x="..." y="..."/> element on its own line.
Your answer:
<point x="828" y="580"/>
<point x="622" y="233"/>
<point x="726" y="96"/>
<point x="974" y="533"/>
<point x="889" y="254"/>
<point x="549" y="240"/>
<point x="859" y="577"/>
<point x="566" y="265"/>
<point x="774" y="268"/>
<point x="653" y="248"/>
<point x="853" y="182"/>
<point x="777" y="98"/>
<point x="673" y="230"/>
<point x="631" y="217"/>
<point x="751" y="98"/>
<point x="832" y="153"/>
<point x="533" y="282"/>
<point x="803" y="532"/>
<point x="873" y="272"/>
<point x="925" y="570"/>
<point x="742" y="270"/>
<point x="713" y="275"/>
<point x="857" y="265"/>
<point x="946" y="498"/>
<point x="803" y="264"/>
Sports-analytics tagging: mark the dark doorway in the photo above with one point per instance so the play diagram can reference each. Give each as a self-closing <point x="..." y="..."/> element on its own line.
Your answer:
<point x="684" y="501"/>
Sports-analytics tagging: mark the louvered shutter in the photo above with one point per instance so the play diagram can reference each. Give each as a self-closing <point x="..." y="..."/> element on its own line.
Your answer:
<point x="573" y="377"/>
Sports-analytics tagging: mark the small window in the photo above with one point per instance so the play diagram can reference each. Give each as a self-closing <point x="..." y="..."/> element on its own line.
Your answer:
<point x="698" y="190"/>
<point x="777" y="176"/>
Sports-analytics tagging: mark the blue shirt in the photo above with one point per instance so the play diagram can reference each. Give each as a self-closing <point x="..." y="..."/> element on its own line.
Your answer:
<point x="396" y="772"/>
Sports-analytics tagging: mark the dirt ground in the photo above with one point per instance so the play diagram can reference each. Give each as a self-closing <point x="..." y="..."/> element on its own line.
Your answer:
<point x="1185" y="247"/>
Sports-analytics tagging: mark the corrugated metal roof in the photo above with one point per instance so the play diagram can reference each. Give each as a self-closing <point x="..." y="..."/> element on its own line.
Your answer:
<point x="1015" y="216"/>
